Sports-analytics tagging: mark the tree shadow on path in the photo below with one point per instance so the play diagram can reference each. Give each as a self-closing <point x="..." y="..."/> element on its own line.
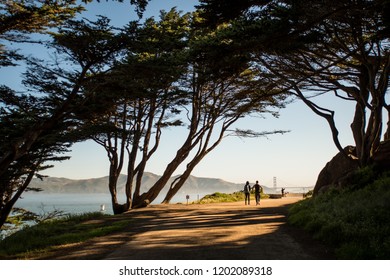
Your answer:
<point x="199" y="232"/>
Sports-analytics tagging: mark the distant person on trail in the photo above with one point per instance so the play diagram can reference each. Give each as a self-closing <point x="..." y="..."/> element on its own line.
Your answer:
<point x="283" y="189"/>
<point x="258" y="191"/>
<point x="247" y="192"/>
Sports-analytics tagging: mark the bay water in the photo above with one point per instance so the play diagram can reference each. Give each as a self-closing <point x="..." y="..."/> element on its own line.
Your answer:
<point x="42" y="203"/>
<point x="78" y="203"/>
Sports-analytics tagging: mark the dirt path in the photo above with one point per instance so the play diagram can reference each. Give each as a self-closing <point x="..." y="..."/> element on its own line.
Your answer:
<point x="212" y="231"/>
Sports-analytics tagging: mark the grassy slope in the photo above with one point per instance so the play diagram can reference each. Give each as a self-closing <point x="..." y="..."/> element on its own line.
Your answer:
<point x="354" y="221"/>
<point x="72" y="229"/>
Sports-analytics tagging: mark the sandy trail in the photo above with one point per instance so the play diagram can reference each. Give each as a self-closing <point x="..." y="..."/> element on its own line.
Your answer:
<point x="208" y="231"/>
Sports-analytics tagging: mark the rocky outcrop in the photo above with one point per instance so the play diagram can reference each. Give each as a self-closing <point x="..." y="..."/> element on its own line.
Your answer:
<point x="338" y="171"/>
<point x="339" y="167"/>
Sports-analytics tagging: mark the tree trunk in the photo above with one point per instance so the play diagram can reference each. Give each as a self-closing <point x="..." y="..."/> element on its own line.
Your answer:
<point x="120" y="208"/>
<point x="358" y="131"/>
<point x="204" y="149"/>
<point x="176" y="185"/>
<point x="8" y="206"/>
<point x="179" y="182"/>
<point x="112" y="186"/>
<point x="387" y="133"/>
<point x="117" y="208"/>
<point x="148" y="197"/>
<point x="375" y="131"/>
<point x="192" y="139"/>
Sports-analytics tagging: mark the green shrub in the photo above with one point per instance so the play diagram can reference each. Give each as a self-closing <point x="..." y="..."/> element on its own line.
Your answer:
<point x="222" y="197"/>
<point x="355" y="220"/>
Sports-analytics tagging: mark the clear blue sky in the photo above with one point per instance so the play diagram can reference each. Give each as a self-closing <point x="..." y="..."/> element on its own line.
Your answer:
<point x="295" y="158"/>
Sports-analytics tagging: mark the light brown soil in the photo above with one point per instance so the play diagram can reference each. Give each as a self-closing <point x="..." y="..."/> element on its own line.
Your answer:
<point x="201" y="232"/>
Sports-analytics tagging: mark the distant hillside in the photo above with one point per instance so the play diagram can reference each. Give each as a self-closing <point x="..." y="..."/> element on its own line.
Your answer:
<point x="194" y="185"/>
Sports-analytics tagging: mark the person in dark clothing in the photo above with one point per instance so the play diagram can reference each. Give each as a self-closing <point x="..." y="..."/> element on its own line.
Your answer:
<point x="247" y="192"/>
<point x="258" y="191"/>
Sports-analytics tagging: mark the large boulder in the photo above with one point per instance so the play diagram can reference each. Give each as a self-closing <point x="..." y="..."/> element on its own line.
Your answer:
<point x="336" y="169"/>
<point x="339" y="170"/>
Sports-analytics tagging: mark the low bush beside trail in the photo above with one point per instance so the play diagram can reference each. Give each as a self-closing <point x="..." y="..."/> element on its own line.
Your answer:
<point x="226" y="197"/>
<point x="222" y="197"/>
<point x="354" y="220"/>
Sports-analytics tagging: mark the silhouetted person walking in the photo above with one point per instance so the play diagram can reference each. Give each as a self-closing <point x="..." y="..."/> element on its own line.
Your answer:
<point x="258" y="190"/>
<point x="247" y="192"/>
